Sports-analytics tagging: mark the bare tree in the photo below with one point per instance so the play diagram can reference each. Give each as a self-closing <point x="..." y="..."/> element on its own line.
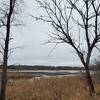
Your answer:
<point x="75" y="22"/>
<point x="8" y="18"/>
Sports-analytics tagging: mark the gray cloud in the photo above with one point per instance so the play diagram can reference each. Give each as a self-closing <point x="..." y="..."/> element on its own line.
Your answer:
<point x="32" y="37"/>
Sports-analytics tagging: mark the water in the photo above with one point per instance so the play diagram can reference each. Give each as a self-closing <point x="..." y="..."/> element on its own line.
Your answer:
<point x="53" y="73"/>
<point x="48" y="73"/>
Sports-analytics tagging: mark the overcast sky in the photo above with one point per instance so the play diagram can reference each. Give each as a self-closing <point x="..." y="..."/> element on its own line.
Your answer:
<point x="32" y="37"/>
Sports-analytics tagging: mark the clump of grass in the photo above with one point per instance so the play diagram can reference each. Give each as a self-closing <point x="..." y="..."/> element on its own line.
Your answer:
<point x="66" y="88"/>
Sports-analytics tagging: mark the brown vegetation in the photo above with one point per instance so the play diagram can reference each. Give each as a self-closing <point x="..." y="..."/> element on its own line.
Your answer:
<point x="65" y="88"/>
<point x="19" y="75"/>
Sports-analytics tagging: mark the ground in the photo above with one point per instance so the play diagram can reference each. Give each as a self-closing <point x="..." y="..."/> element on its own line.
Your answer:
<point x="52" y="88"/>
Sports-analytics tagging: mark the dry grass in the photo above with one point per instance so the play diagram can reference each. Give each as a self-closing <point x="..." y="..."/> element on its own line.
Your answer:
<point x="66" y="88"/>
<point x="19" y="75"/>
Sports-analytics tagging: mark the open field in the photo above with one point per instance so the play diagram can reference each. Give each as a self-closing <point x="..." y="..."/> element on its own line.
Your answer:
<point x="18" y="75"/>
<point x="65" y="88"/>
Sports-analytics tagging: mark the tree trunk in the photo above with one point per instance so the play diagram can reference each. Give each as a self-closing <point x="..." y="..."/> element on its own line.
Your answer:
<point x="89" y="82"/>
<point x="4" y="68"/>
<point x="9" y="18"/>
<point x="5" y="61"/>
<point x="3" y="83"/>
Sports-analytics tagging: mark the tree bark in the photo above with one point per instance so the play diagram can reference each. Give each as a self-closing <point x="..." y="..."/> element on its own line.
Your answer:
<point x="9" y="19"/>
<point x="91" y="88"/>
<point x="3" y="83"/>
<point x="5" y="61"/>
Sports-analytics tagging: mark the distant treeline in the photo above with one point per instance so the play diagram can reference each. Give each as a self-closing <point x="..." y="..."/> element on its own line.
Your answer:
<point x="41" y="67"/>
